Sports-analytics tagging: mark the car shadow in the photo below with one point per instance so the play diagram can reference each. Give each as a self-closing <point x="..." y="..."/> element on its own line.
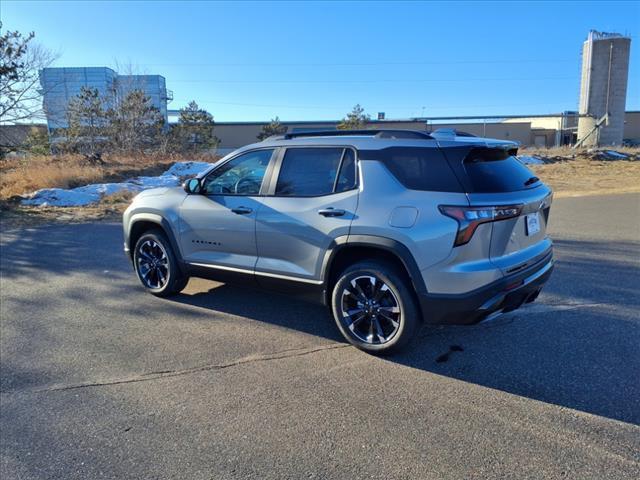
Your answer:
<point x="576" y="347"/>
<point x="263" y="306"/>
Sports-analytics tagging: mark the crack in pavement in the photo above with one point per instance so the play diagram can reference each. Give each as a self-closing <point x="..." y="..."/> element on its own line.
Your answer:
<point x="294" y="352"/>
<point x="145" y="377"/>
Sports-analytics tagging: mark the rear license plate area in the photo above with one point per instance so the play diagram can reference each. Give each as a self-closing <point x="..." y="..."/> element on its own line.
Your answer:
<point x="532" y="223"/>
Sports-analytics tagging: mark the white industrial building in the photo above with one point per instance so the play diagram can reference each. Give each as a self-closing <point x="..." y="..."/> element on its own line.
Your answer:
<point x="60" y="85"/>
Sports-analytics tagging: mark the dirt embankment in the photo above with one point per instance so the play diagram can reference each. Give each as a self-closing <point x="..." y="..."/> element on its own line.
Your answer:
<point x="587" y="172"/>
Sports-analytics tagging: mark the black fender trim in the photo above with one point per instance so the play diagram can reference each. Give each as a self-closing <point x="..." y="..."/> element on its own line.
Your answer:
<point x="166" y="228"/>
<point x="172" y="239"/>
<point x="392" y="246"/>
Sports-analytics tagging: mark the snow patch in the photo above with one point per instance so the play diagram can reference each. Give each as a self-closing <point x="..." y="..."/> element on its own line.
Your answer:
<point x="606" y="154"/>
<point x="614" y="154"/>
<point x="77" y="197"/>
<point x="183" y="169"/>
<point x="526" y="159"/>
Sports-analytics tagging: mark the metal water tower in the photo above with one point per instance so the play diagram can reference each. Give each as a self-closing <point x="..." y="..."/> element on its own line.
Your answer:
<point x="603" y="88"/>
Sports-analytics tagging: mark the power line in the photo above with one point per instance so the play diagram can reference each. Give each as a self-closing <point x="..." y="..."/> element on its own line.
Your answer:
<point x="334" y="107"/>
<point x="389" y="80"/>
<point x="357" y="64"/>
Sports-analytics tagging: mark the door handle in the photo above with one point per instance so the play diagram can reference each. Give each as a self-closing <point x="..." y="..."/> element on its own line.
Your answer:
<point x="331" y="212"/>
<point x="242" y="210"/>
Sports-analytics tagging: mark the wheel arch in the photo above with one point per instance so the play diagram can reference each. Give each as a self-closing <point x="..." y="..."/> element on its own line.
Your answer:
<point x="141" y="223"/>
<point x="349" y="250"/>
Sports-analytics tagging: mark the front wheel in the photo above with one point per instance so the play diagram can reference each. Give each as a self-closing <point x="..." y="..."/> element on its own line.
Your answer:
<point x="156" y="265"/>
<point x="374" y="307"/>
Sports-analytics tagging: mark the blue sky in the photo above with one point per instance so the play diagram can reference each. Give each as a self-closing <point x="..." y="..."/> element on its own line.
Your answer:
<point x="308" y="61"/>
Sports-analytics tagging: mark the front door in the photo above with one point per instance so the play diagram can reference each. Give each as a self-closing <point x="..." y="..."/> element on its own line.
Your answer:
<point x="217" y="226"/>
<point x="313" y="202"/>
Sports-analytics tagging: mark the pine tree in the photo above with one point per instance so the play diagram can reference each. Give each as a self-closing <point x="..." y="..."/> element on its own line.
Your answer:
<point x="271" y="129"/>
<point x="135" y="125"/>
<point x="87" y="121"/>
<point x="356" y="119"/>
<point x="194" y="130"/>
<point x="37" y="142"/>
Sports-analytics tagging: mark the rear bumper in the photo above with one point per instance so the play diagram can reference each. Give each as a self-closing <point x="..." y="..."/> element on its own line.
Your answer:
<point x="504" y="295"/>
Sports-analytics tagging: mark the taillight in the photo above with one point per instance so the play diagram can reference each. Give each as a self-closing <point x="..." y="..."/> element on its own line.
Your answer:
<point x="469" y="218"/>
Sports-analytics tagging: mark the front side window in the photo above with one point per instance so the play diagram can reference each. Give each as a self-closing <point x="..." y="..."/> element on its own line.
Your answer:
<point x="241" y="176"/>
<point x="308" y="172"/>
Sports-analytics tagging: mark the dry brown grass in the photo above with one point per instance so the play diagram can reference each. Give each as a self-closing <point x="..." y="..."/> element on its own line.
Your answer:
<point x="580" y="172"/>
<point x="572" y="173"/>
<point x="122" y="197"/>
<point x="20" y="176"/>
<point x="590" y="177"/>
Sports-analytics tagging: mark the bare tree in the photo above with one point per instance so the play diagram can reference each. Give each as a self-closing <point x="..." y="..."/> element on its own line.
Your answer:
<point x="20" y="61"/>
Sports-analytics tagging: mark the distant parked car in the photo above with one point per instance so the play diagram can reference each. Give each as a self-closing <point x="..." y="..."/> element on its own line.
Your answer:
<point x="388" y="228"/>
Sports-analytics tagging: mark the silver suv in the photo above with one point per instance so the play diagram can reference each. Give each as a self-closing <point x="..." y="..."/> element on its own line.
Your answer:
<point x="389" y="228"/>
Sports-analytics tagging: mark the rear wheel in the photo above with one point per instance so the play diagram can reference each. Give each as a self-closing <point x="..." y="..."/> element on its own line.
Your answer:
<point x="374" y="307"/>
<point x="156" y="265"/>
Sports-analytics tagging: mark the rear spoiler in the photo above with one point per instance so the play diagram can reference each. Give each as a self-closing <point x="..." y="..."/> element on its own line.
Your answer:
<point x="449" y="140"/>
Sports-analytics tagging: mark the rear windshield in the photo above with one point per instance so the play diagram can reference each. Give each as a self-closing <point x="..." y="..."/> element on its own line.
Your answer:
<point x="491" y="170"/>
<point x="417" y="168"/>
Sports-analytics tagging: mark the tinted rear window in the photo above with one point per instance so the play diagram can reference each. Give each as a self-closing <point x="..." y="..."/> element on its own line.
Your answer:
<point x="417" y="168"/>
<point x="307" y="172"/>
<point x="491" y="170"/>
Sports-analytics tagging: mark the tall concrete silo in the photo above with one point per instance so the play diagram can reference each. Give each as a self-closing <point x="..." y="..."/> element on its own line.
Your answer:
<point x="603" y="88"/>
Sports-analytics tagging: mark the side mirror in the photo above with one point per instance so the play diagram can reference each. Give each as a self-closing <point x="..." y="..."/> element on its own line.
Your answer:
<point x="192" y="185"/>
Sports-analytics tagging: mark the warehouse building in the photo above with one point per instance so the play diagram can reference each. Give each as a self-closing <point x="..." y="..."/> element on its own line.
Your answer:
<point x="541" y="131"/>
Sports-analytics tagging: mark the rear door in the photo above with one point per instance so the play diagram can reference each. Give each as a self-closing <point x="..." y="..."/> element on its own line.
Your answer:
<point x="312" y="201"/>
<point x="495" y="177"/>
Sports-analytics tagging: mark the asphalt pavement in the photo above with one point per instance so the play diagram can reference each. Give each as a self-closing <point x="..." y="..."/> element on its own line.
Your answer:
<point x="101" y="380"/>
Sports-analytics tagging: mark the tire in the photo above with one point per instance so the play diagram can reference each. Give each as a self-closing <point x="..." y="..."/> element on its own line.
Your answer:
<point x="392" y="302"/>
<point x="156" y="265"/>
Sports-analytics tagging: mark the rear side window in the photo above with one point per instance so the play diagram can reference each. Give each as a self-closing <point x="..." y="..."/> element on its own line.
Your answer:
<point x="347" y="176"/>
<point x="417" y="168"/>
<point x="308" y="172"/>
<point x="491" y="170"/>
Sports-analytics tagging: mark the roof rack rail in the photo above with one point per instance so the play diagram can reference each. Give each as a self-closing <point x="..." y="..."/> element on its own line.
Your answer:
<point x="374" y="133"/>
<point x="452" y="132"/>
